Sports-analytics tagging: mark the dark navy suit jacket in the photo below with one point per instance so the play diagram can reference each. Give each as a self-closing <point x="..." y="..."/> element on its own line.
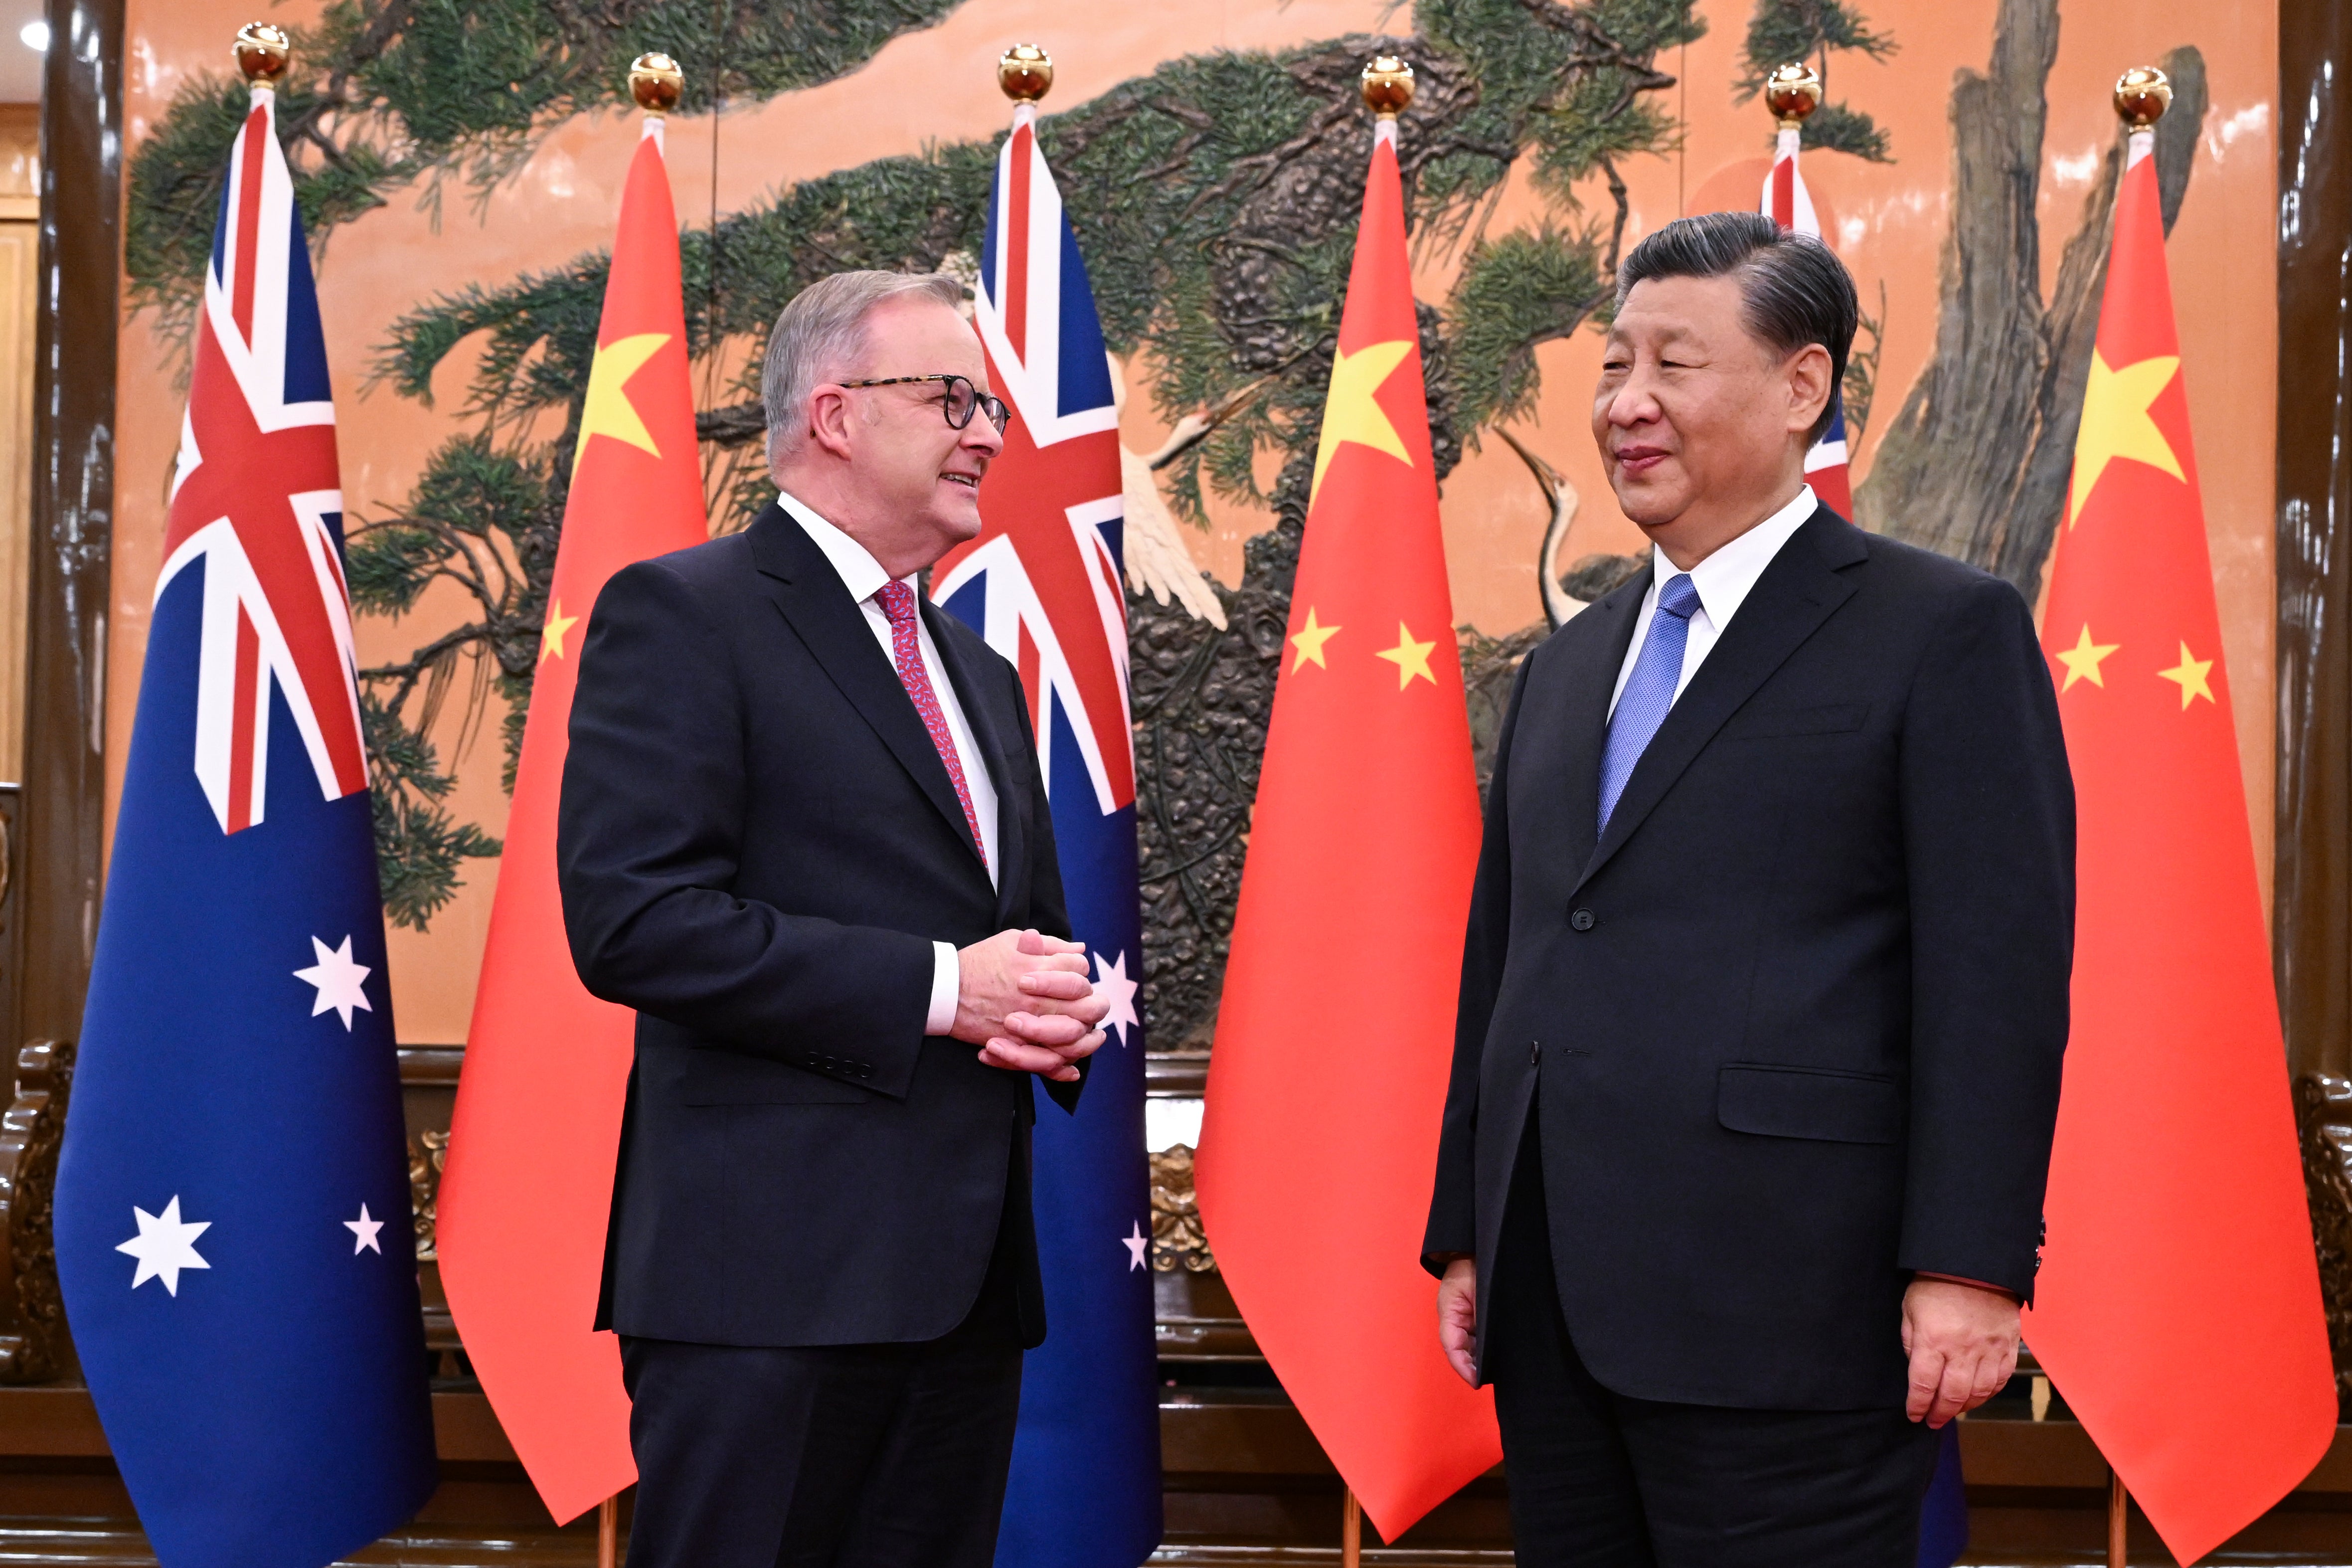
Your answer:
<point x="758" y="845"/>
<point x="1796" y="1015"/>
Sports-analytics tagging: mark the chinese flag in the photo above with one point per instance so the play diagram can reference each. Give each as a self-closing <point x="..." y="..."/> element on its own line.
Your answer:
<point x="532" y="1148"/>
<point x="2178" y="1309"/>
<point x="1328" y="1075"/>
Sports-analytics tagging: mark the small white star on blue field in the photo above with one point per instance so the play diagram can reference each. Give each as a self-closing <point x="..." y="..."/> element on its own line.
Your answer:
<point x="1113" y="986"/>
<point x="164" y="1245"/>
<point x="1137" y="1245"/>
<point x="364" y="1228"/>
<point x="338" y="978"/>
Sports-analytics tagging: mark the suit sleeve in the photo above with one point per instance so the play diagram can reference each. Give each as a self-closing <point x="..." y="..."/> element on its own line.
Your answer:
<point x="649" y="843"/>
<point x="1452" y="1205"/>
<point x="1048" y="905"/>
<point x="1988" y="848"/>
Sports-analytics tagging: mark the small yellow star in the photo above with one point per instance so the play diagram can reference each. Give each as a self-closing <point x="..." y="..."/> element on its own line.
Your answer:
<point x="1309" y="642"/>
<point x="2082" y="660"/>
<point x="1350" y="412"/>
<point x="550" y="636"/>
<point x="2190" y="674"/>
<point x="1410" y="658"/>
<point x="606" y="410"/>
<point x="2115" y="423"/>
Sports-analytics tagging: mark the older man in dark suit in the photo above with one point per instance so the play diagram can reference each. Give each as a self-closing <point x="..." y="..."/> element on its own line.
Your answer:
<point x="1765" y="986"/>
<point x="803" y="834"/>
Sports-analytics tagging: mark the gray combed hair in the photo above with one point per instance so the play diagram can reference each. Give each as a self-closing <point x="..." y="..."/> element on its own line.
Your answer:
<point x="821" y="334"/>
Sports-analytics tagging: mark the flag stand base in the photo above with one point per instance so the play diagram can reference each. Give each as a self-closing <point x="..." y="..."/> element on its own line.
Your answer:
<point x="1351" y="1533"/>
<point x="2119" y="1520"/>
<point x="608" y="1533"/>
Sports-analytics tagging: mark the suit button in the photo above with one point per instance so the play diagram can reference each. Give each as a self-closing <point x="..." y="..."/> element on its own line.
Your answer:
<point x="1581" y="920"/>
<point x="1534" y="1052"/>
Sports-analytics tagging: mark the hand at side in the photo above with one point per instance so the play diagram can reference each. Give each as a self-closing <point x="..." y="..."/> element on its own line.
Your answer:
<point x="1024" y="999"/>
<point x="1962" y="1341"/>
<point x="1458" y="1317"/>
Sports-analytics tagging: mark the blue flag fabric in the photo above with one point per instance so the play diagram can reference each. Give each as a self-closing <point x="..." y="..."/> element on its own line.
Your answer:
<point x="233" y="1227"/>
<point x="1043" y="584"/>
<point x="1944" y="1520"/>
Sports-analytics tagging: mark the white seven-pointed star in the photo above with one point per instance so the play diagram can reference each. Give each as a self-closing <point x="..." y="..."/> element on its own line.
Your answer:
<point x="338" y="978"/>
<point x="1135" y="1242"/>
<point x="365" y="1229"/>
<point x="164" y="1245"/>
<point x="1113" y="986"/>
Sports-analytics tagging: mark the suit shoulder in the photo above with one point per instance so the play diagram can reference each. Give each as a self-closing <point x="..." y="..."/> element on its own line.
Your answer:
<point x="1914" y="572"/>
<point x="702" y="572"/>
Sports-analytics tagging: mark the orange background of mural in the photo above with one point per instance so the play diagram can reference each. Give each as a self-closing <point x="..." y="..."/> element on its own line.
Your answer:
<point x="939" y="85"/>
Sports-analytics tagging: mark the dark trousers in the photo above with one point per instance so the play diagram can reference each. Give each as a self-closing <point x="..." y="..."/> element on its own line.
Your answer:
<point x="1601" y="1480"/>
<point x="890" y="1456"/>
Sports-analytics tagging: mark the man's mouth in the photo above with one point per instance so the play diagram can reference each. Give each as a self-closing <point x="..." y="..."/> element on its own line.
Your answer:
<point x="971" y="482"/>
<point x="1636" y="460"/>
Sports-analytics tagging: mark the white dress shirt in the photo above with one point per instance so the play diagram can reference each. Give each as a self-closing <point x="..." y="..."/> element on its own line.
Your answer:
<point x="1723" y="581"/>
<point x="864" y="577"/>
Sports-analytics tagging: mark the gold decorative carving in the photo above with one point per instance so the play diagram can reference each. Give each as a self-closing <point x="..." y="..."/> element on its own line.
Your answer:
<point x="2322" y="1113"/>
<point x="1177" y="1239"/>
<point x="428" y="1152"/>
<point x="32" y="1313"/>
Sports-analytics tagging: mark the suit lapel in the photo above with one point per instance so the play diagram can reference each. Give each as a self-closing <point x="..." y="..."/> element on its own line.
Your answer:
<point x="1798" y="591"/>
<point x="1581" y="710"/>
<point x="803" y="584"/>
<point x="997" y="735"/>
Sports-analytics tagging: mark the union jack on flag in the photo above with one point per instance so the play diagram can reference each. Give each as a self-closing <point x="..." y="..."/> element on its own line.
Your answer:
<point x="235" y="1168"/>
<point x="1043" y="585"/>
<point x="1790" y="204"/>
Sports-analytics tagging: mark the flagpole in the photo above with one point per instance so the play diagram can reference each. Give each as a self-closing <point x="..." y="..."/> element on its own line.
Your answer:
<point x="608" y="1533"/>
<point x="2142" y="94"/>
<point x="1351" y="1533"/>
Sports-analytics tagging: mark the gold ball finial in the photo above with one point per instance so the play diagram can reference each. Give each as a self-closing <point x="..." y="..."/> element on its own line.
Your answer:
<point x="2142" y="95"/>
<point x="656" y="82"/>
<point x="1025" y="72"/>
<point x="1791" y="92"/>
<point x="262" y="51"/>
<point x="1388" y="86"/>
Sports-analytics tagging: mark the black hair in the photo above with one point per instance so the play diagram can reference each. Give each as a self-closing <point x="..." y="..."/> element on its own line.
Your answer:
<point x="1794" y="290"/>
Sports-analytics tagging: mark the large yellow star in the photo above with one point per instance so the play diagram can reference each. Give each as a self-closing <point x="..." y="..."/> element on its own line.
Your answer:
<point x="550" y="636"/>
<point x="2190" y="675"/>
<point x="1410" y="658"/>
<point x="1352" y="414"/>
<point x="608" y="411"/>
<point x="2115" y="423"/>
<point x="1309" y="642"/>
<point x="2082" y="660"/>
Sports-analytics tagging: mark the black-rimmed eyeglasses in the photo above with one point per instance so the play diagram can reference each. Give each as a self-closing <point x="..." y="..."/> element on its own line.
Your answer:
<point x="962" y="401"/>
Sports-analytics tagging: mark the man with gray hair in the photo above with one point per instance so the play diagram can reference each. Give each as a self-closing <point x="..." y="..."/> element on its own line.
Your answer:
<point x="1764" y="990"/>
<point x="804" y="835"/>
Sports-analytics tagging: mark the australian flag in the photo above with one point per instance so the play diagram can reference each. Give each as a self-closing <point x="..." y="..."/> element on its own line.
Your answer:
<point x="1042" y="584"/>
<point x="233" y="1222"/>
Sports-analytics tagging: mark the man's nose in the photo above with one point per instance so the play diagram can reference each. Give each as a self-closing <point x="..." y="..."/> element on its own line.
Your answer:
<point x="982" y="434"/>
<point x="1634" y="402"/>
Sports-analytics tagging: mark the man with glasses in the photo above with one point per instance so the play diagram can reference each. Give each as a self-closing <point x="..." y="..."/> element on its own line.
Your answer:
<point x="805" y="834"/>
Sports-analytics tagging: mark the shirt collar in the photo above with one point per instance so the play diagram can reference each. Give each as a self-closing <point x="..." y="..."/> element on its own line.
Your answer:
<point x="1724" y="578"/>
<point x="859" y="572"/>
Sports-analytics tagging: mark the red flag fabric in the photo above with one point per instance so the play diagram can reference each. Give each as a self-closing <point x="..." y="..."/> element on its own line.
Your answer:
<point x="2178" y="1309"/>
<point x="1328" y="1077"/>
<point x="533" y="1141"/>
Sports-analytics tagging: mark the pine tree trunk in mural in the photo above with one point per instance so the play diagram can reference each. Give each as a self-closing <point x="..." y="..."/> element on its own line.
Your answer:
<point x="1976" y="463"/>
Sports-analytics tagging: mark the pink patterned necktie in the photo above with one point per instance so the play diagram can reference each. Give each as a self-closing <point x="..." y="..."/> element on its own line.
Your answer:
<point x="898" y="604"/>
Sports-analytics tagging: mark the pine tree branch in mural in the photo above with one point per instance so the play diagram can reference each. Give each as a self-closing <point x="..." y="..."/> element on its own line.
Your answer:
<point x="1976" y="462"/>
<point x="1783" y="30"/>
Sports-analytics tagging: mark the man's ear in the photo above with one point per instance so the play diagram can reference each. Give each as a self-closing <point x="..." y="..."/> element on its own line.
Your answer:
<point x="828" y="416"/>
<point x="1809" y="386"/>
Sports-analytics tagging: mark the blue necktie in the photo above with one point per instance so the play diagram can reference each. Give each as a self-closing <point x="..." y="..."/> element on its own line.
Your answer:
<point x="1649" y="690"/>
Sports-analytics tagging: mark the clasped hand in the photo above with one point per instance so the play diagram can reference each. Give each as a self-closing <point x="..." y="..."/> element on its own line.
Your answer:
<point x="1024" y="999"/>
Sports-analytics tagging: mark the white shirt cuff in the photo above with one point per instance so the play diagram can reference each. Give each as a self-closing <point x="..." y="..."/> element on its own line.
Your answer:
<point x="947" y="980"/>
